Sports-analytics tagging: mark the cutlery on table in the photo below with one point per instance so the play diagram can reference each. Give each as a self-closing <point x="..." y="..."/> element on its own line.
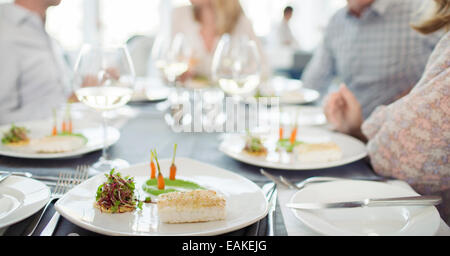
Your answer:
<point x="271" y="195"/>
<point x="273" y="178"/>
<point x="321" y="179"/>
<point x="30" y="175"/>
<point x="80" y="176"/>
<point x="371" y="202"/>
<point x="62" y="183"/>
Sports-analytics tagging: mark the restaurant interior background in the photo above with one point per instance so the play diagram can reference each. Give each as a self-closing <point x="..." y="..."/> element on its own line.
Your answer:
<point x="76" y="22"/>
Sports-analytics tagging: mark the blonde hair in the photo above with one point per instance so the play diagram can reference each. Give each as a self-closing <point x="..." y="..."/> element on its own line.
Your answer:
<point x="227" y="14"/>
<point x="440" y="18"/>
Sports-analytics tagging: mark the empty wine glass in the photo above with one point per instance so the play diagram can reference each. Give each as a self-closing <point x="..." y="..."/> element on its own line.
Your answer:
<point x="236" y="65"/>
<point x="104" y="80"/>
<point x="172" y="56"/>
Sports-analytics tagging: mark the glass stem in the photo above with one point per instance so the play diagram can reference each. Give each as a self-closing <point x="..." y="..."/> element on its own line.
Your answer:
<point x="105" y="135"/>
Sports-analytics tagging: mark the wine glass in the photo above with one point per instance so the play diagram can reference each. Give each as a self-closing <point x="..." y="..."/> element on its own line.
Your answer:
<point x="236" y="65"/>
<point x="104" y="80"/>
<point x="172" y="57"/>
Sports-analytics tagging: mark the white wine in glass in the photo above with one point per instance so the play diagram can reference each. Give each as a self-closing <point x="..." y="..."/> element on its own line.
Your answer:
<point x="236" y="65"/>
<point x="104" y="80"/>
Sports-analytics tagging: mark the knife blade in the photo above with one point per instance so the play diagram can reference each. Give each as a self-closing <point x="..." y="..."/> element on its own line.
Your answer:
<point x="271" y="196"/>
<point x="371" y="202"/>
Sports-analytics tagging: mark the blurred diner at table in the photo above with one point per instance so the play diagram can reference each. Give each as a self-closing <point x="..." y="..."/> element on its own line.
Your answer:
<point x="408" y="139"/>
<point x="204" y="22"/>
<point x="33" y="72"/>
<point x="370" y="46"/>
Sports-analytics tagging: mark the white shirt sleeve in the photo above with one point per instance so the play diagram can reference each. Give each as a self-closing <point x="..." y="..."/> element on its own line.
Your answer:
<point x="321" y="70"/>
<point x="9" y="74"/>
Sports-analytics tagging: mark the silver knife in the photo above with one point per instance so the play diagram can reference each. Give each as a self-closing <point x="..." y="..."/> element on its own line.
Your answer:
<point x="371" y="202"/>
<point x="272" y="199"/>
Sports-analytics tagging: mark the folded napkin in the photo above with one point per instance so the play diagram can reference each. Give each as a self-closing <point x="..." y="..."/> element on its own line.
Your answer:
<point x="295" y="227"/>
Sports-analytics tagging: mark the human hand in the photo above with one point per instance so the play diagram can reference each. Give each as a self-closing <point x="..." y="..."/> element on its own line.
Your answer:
<point x="344" y="112"/>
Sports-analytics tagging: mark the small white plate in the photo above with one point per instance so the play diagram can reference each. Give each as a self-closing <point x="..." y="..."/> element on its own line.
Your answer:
<point x="91" y="130"/>
<point x="21" y="197"/>
<point x="149" y="89"/>
<point x="364" y="221"/>
<point x="306" y="115"/>
<point x="245" y="203"/>
<point x="352" y="150"/>
<point x="289" y="91"/>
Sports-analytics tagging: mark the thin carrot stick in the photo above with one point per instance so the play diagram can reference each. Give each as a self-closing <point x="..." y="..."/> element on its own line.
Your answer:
<point x="55" y="129"/>
<point x="69" y="113"/>
<point x="152" y="167"/>
<point x="281" y="133"/>
<point x="161" y="184"/>
<point x="173" y="168"/>
<point x="293" y="135"/>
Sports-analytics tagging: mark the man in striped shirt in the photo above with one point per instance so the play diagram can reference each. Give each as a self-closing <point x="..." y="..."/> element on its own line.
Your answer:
<point x="370" y="46"/>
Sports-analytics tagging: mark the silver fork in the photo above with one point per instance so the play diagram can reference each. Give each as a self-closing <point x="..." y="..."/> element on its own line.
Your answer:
<point x="56" y="194"/>
<point x="66" y="182"/>
<point x="312" y="180"/>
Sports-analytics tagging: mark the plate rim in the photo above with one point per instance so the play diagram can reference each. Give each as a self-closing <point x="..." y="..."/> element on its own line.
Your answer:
<point x="104" y="231"/>
<point x="39" y="205"/>
<point x="346" y="233"/>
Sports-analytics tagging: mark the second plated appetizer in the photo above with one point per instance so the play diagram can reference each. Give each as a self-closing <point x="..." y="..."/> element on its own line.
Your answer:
<point x="318" y="152"/>
<point x="254" y="146"/>
<point x="16" y="136"/>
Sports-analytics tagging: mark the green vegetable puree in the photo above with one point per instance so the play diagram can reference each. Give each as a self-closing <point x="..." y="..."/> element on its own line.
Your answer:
<point x="286" y="143"/>
<point x="151" y="186"/>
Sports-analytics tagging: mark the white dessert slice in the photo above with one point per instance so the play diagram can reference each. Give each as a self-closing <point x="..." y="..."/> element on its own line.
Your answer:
<point x="57" y="144"/>
<point x="192" y="206"/>
<point x="317" y="152"/>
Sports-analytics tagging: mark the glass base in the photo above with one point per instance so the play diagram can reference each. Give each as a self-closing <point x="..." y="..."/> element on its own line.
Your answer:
<point x="105" y="165"/>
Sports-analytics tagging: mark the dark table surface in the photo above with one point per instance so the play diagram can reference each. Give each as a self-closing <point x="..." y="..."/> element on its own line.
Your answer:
<point x="148" y="130"/>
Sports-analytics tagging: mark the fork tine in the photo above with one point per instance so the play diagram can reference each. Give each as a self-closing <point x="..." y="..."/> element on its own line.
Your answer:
<point x="67" y="182"/>
<point x="59" y="184"/>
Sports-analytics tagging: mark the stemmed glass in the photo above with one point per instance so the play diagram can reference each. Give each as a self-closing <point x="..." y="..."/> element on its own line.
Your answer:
<point x="104" y="80"/>
<point x="236" y="65"/>
<point x="172" y="57"/>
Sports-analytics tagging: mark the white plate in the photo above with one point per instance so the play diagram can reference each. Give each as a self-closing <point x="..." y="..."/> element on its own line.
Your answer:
<point x="289" y="91"/>
<point x="21" y="197"/>
<point x="306" y="115"/>
<point x="149" y="89"/>
<point x="93" y="131"/>
<point x="245" y="203"/>
<point x="390" y="221"/>
<point x="352" y="150"/>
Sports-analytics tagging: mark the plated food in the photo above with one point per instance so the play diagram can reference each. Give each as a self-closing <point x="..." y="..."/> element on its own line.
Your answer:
<point x="46" y="139"/>
<point x="16" y="136"/>
<point x="254" y="145"/>
<point x="317" y="152"/>
<point x="296" y="148"/>
<point x="58" y="141"/>
<point x="116" y="195"/>
<point x="192" y="206"/>
<point x="245" y="202"/>
<point x="178" y="201"/>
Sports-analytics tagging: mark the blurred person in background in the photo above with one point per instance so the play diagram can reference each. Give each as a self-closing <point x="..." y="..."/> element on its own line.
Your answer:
<point x="410" y="138"/>
<point x="284" y="34"/>
<point x="32" y="68"/>
<point x="204" y="22"/>
<point x="370" y="46"/>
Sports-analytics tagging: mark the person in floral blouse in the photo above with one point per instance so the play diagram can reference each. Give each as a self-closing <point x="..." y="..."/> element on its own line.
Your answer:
<point x="410" y="138"/>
